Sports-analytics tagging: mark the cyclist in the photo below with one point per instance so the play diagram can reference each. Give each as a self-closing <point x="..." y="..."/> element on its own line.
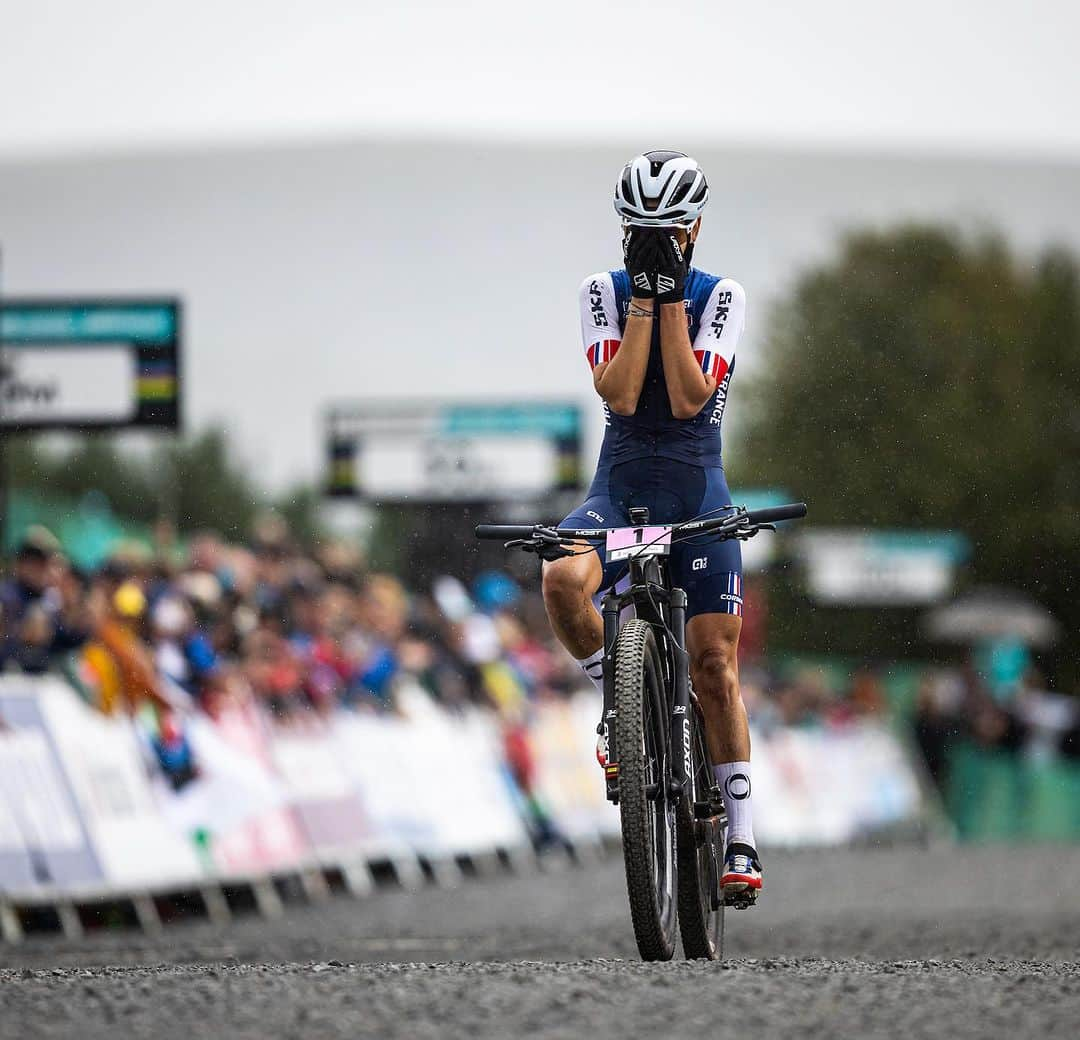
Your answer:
<point x="660" y="337"/>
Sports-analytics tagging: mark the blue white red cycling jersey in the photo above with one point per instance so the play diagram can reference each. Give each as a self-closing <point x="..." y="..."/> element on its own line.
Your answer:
<point x="715" y="313"/>
<point x="670" y="466"/>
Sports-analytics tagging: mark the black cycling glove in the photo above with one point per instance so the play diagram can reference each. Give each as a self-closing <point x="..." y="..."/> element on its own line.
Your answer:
<point x="641" y="254"/>
<point x="671" y="267"/>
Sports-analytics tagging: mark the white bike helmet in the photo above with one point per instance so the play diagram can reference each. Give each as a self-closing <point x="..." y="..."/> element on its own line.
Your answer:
<point x="661" y="189"/>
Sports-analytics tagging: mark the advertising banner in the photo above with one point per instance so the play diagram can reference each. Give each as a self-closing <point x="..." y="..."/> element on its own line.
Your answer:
<point x="828" y="787"/>
<point x="326" y="804"/>
<point x="109" y="770"/>
<point x="464" y="784"/>
<point x="568" y="778"/>
<point x="236" y="808"/>
<point x="89" y="363"/>
<point x="40" y="806"/>
<point x="434" y="784"/>
<point x="880" y="568"/>
<point x="823" y="786"/>
<point x="21" y="865"/>
<point x="83" y="802"/>
<point x="437" y="451"/>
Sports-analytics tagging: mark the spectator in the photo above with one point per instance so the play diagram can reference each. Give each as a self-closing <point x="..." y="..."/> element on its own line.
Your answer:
<point x="120" y="661"/>
<point x="182" y="652"/>
<point x="936" y="723"/>
<point x="42" y="606"/>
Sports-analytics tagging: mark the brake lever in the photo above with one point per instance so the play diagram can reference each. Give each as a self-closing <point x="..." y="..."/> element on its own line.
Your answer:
<point x="527" y="544"/>
<point x="744" y="533"/>
<point x="554" y="552"/>
<point x="545" y="543"/>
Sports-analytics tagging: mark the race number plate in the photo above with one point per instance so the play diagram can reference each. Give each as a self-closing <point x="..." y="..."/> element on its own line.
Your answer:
<point x="626" y="542"/>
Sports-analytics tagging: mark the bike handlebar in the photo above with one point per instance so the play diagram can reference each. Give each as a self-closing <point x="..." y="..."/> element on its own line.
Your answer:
<point x="505" y="532"/>
<point x="753" y="518"/>
<point x="773" y="514"/>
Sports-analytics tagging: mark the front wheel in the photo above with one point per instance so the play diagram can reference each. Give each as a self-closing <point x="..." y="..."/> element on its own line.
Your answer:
<point x="646" y="809"/>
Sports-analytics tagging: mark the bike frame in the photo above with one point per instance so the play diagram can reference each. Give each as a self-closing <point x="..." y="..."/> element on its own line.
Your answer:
<point x="681" y="785"/>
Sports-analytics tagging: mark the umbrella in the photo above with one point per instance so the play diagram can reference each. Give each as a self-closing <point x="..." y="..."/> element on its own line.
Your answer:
<point x="991" y="613"/>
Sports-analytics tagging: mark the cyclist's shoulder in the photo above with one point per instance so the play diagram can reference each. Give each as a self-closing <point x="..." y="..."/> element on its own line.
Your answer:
<point x="705" y="283"/>
<point x="603" y="281"/>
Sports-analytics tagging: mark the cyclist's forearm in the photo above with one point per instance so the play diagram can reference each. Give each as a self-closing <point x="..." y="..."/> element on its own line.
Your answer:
<point x="688" y="387"/>
<point x="620" y="381"/>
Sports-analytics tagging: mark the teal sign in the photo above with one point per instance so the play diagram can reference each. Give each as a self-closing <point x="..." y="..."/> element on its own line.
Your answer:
<point x="523" y="420"/>
<point x="64" y="364"/>
<point x="62" y="324"/>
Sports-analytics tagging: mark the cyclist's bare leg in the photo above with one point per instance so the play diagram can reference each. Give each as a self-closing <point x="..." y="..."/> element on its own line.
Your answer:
<point x="713" y="643"/>
<point x="569" y="585"/>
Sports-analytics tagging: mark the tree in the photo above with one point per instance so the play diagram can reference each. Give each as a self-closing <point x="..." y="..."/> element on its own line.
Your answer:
<point x="195" y="483"/>
<point x="923" y="379"/>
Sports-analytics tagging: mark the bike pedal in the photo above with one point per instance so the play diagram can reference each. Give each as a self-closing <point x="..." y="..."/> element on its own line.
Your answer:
<point x="741" y="900"/>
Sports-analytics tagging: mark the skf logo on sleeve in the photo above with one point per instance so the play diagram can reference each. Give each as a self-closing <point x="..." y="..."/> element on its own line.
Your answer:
<point x="596" y="305"/>
<point x="720" y="318"/>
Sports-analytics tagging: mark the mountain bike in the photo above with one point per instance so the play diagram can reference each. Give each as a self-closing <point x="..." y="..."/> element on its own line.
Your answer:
<point x="657" y="767"/>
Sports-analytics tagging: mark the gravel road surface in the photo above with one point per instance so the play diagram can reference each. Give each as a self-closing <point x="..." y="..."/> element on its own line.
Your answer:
<point x="885" y="942"/>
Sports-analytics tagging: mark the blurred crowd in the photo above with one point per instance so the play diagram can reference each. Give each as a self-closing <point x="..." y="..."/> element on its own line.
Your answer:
<point x="301" y="632"/>
<point x="808" y="696"/>
<point x="961" y="704"/>
<point x="307" y="632"/>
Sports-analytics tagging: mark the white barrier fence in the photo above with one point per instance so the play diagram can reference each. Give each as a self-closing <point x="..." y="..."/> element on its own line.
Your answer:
<point x="84" y="807"/>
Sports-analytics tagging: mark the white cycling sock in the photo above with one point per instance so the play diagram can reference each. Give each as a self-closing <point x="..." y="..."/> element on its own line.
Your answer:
<point x="593" y="667"/>
<point x="734" y="781"/>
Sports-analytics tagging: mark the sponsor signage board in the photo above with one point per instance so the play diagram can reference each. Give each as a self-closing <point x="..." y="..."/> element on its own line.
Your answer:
<point x="89" y="363"/>
<point x="880" y="568"/>
<point x="457" y="451"/>
<point x="44" y="840"/>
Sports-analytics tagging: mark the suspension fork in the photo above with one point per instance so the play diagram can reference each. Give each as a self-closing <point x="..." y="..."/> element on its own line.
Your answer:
<point x="610" y="608"/>
<point x="682" y="730"/>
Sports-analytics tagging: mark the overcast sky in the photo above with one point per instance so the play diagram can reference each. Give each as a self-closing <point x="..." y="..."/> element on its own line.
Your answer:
<point x="299" y="267"/>
<point x="962" y="75"/>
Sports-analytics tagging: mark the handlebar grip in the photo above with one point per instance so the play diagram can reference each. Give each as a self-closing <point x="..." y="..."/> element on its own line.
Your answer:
<point x="504" y="532"/>
<point x="792" y="511"/>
